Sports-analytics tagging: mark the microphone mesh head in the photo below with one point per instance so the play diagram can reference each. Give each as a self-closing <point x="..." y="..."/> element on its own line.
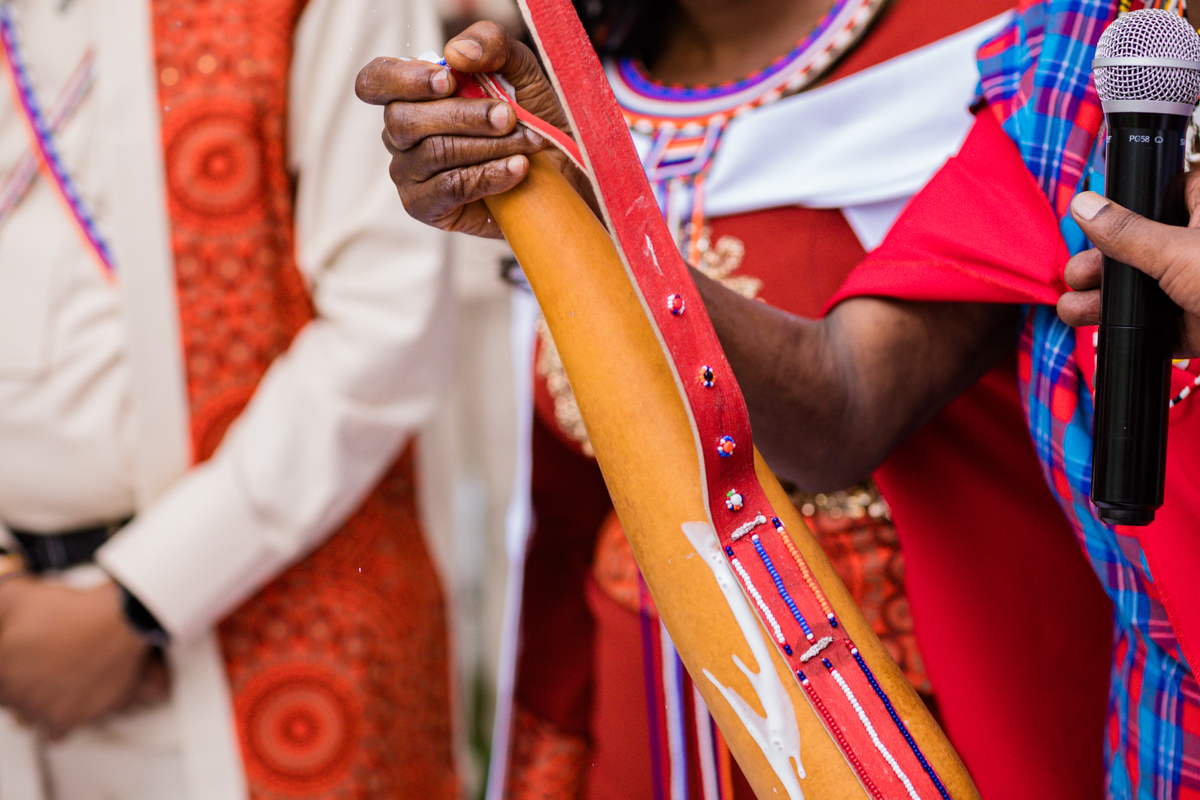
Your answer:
<point x="1150" y="33"/>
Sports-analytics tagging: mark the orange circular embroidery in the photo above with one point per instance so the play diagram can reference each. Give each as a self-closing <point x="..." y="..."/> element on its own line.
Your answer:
<point x="215" y="166"/>
<point x="339" y="668"/>
<point x="301" y="725"/>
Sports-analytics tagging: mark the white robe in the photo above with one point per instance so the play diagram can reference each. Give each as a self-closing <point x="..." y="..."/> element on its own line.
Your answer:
<point x="93" y="409"/>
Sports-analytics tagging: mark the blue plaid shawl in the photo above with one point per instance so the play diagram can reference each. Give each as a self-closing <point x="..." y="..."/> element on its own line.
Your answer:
<point x="1036" y="77"/>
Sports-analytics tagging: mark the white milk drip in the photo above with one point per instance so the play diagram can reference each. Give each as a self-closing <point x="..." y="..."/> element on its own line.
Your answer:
<point x="777" y="734"/>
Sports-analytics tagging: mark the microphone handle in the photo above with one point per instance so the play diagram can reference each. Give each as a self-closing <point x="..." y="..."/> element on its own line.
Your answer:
<point x="1137" y="325"/>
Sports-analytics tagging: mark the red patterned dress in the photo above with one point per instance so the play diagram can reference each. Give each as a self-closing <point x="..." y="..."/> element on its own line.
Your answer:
<point x="594" y="716"/>
<point x="338" y="667"/>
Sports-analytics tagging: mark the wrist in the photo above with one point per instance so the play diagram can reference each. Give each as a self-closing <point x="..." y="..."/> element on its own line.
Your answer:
<point x="12" y="575"/>
<point x="141" y="619"/>
<point x="12" y="565"/>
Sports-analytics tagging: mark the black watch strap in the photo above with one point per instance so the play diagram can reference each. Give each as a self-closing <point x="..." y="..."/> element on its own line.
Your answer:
<point x="141" y="620"/>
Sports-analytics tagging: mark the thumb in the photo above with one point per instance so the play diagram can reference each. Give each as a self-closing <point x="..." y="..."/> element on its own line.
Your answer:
<point x="1168" y="253"/>
<point x="487" y="47"/>
<point x="1130" y="238"/>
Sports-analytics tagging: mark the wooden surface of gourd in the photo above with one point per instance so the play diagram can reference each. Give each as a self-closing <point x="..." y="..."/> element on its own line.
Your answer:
<point x="645" y="446"/>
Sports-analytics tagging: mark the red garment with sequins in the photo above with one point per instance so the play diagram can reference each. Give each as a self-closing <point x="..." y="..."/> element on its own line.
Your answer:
<point x="339" y="668"/>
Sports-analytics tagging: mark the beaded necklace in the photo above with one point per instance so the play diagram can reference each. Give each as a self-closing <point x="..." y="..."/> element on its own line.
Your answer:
<point x="1178" y="6"/>
<point x="685" y="123"/>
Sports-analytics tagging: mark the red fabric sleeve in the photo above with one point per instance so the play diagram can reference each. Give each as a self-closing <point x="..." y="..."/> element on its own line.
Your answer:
<point x="980" y="231"/>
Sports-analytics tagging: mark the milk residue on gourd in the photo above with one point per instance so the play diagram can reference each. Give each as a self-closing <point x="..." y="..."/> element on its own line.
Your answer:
<point x="777" y="734"/>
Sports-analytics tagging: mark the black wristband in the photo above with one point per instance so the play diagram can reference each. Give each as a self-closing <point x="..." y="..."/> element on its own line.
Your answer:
<point x="141" y="620"/>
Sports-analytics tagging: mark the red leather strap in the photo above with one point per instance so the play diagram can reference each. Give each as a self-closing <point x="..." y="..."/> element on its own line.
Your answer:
<point x="879" y="748"/>
<point x="486" y="85"/>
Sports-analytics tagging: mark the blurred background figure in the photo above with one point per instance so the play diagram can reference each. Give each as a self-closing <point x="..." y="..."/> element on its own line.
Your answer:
<point x="466" y="458"/>
<point x="218" y="334"/>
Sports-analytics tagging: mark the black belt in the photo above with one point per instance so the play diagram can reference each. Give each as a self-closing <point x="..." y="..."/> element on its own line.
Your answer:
<point x="54" y="552"/>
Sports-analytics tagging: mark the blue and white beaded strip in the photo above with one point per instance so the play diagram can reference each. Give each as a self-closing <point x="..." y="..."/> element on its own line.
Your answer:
<point x="805" y="573"/>
<point x="44" y="140"/>
<point x="758" y="600"/>
<point x="862" y="717"/>
<point x="783" y="592"/>
<point x="925" y="765"/>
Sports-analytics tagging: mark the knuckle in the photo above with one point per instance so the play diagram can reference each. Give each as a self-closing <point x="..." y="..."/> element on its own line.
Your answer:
<point x="1177" y="266"/>
<point x="421" y="207"/>
<point x="399" y="124"/>
<point x="1116" y="226"/>
<point x="367" y="81"/>
<point x="489" y="30"/>
<point x="387" y="143"/>
<point x="455" y="185"/>
<point x="410" y="206"/>
<point x="397" y="173"/>
<point x="1065" y="309"/>
<point x="473" y="116"/>
<point x="528" y="72"/>
<point x="437" y="152"/>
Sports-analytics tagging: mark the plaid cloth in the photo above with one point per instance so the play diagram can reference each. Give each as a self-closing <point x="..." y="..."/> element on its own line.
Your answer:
<point x="1152" y="742"/>
<point x="1036" y="76"/>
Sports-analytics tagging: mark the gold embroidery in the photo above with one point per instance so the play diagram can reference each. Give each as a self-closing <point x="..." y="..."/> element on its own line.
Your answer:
<point x="857" y="502"/>
<point x="566" y="411"/>
<point x="719" y="261"/>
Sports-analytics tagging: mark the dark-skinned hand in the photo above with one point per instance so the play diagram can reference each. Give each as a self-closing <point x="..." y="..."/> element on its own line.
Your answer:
<point x="448" y="153"/>
<point x="68" y="657"/>
<point x="1167" y="253"/>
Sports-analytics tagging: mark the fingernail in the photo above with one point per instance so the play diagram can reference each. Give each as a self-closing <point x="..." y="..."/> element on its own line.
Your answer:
<point x="535" y="138"/>
<point x="1087" y="205"/>
<point x="515" y="165"/>
<point x="468" y="48"/>
<point x="440" y="81"/>
<point x="499" y="116"/>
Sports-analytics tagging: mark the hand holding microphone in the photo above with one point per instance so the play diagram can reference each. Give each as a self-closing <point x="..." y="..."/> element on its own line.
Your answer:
<point x="1168" y="254"/>
<point x="1147" y="71"/>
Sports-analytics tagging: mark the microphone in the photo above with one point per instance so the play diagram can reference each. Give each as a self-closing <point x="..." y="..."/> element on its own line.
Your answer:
<point x="1147" y="71"/>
